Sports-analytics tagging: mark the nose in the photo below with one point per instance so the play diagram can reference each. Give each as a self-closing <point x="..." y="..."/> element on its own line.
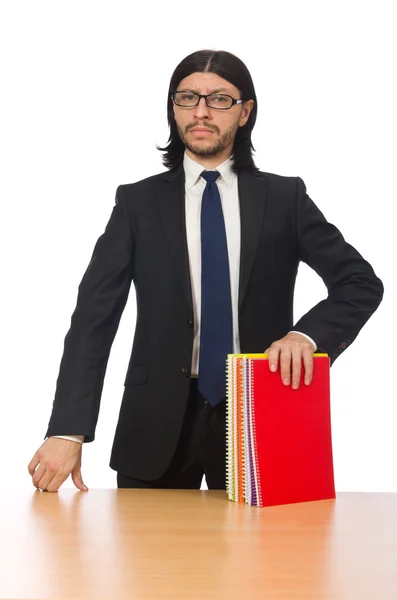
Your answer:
<point x="201" y="110"/>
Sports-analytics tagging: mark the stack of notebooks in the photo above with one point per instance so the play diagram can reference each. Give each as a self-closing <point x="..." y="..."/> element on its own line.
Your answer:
<point x="279" y="445"/>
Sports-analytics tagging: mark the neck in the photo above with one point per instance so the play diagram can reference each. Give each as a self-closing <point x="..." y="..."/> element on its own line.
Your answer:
<point x="210" y="162"/>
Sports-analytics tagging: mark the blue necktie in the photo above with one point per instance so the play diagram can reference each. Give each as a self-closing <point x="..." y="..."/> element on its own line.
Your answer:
<point x="216" y="329"/>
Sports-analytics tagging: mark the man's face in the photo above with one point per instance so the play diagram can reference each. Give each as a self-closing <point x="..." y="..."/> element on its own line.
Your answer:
<point x="218" y="127"/>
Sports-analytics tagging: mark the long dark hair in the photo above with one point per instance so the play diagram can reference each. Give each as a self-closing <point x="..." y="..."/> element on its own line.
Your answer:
<point x="231" y="68"/>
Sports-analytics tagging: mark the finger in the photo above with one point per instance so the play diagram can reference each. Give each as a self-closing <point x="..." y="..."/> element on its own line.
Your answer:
<point x="38" y="474"/>
<point x="77" y="479"/>
<point x="56" y="482"/>
<point x="33" y="464"/>
<point x="308" y="364"/>
<point x="285" y="365"/>
<point x="296" y="366"/>
<point x="50" y="472"/>
<point x="273" y="355"/>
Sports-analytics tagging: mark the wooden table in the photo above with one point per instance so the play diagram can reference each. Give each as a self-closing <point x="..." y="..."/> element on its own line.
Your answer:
<point x="182" y="544"/>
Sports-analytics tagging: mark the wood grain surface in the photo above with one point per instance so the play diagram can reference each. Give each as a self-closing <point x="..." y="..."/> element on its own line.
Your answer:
<point x="185" y="544"/>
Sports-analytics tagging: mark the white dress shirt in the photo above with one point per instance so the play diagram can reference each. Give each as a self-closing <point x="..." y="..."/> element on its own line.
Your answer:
<point x="228" y="191"/>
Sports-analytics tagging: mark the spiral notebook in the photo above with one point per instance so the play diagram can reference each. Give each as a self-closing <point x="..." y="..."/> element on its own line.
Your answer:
<point x="279" y="443"/>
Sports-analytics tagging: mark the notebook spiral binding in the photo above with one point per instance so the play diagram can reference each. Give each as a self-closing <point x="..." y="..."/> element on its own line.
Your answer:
<point x="240" y="430"/>
<point x="258" y="486"/>
<point x="234" y="429"/>
<point x="248" y="478"/>
<point x="229" y="478"/>
<point x="235" y="447"/>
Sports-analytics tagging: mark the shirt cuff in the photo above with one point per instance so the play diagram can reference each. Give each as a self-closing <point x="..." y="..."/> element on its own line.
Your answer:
<point x="72" y="438"/>
<point x="307" y="337"/>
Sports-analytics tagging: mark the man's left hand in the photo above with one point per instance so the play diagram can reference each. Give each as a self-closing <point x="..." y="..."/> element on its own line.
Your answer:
<point x="292" y="347"/>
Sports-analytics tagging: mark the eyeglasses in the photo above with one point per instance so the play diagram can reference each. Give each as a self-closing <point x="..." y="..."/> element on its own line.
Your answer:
<point x="218" y="101"/>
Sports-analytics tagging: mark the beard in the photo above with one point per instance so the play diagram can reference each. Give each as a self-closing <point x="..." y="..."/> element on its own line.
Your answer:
<point x="212" y="150"/>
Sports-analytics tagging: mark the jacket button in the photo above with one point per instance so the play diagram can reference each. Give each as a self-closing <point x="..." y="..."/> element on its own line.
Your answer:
<point x="185" y="372"/>
<point x="190" y="323"/>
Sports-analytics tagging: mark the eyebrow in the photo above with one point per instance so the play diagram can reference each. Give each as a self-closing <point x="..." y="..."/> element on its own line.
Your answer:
<point x="213" y="91"/>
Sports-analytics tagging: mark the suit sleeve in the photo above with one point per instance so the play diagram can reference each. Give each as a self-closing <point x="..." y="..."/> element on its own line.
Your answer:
<point x="102" y="295"/>
<point x="354" y="291"/>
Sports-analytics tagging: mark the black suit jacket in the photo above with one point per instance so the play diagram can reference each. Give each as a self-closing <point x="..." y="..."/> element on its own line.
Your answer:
<point x="145" y="242"/>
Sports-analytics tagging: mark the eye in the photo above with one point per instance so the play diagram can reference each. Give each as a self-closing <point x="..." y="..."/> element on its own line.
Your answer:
<point x="220" y="99"/>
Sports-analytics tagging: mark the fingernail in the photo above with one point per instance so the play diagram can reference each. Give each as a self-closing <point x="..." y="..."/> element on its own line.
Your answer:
<point x="273" y="367"/>
<point x="295" y="385"/>
<point x="286" y="381"/>
<point x="307" y="381"/>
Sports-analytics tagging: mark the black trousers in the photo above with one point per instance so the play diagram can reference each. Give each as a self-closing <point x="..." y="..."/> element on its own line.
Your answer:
<point x="201" y="449"/>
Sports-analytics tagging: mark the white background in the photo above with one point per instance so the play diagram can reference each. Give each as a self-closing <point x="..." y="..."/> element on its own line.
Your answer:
<point x="77" y="120"/>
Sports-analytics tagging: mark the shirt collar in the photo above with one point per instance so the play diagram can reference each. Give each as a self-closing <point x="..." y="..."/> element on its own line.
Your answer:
<point x="193" y="171"/>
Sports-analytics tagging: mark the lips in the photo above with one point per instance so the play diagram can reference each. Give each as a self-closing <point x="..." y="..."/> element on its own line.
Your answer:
<point x="200" y="130"/>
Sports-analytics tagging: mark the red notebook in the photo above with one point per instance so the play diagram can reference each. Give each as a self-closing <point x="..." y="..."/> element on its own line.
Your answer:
<point x="279" y="444"/>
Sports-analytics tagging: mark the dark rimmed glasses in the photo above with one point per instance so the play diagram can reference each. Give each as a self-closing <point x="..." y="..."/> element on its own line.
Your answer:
<point x="190" y="99"/>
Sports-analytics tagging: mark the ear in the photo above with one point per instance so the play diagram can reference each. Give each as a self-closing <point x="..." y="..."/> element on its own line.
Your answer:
<point x="246" y="111"/>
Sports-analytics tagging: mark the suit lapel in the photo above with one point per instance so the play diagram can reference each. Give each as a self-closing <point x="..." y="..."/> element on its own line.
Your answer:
<point x="252" y="190"/>
<point x="171" y="195"/>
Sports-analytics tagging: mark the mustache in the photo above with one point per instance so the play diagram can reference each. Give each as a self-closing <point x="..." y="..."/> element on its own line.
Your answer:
<point x="193" y="125"/>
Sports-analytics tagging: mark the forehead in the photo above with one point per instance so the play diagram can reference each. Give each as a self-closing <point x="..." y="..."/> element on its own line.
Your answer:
<point x="205" y="83"/>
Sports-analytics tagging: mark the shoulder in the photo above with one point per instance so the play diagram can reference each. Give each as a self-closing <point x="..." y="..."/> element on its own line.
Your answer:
<point x="277" y="179"/>
<point x="143" y="184"/>
<point x="279" y="185"/>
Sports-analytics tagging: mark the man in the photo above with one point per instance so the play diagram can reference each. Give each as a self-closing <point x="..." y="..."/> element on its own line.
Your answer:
<point x="213" y="247"/>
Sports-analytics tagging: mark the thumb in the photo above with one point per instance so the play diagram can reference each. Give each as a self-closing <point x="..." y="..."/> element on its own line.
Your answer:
<point x="78" y="479"/>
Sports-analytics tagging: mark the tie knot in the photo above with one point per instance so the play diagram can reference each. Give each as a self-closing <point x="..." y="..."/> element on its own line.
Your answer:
<point x="210" y="176"/>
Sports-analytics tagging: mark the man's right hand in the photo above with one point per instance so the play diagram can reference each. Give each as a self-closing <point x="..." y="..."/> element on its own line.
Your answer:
<point x="57" y="459"/>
